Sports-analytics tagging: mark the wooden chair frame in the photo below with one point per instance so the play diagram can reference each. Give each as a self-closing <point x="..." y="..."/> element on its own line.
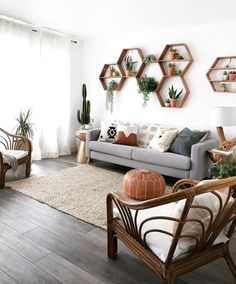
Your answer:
<point x="14" y="142"/>
<point x="125" y="228"/>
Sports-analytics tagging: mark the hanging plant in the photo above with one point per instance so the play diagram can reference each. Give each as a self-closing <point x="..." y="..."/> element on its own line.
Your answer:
<point x="112" y="85"/>
<point x="146" y="86"/>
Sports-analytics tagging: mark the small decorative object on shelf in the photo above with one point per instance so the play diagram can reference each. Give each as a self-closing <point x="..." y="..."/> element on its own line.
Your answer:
<point x="167" y="103"/>
<point x="225" y="76"/>
<point x="171" y="69"/>
<point x="112" y="86"/>
<point x="149" y="58"/>
<point x="133" y="73"/>
<point x="232" y="76"/>
<point x="146" y="86"/>
<point x="172" y="52"/>
<point x="174" y="96"/>
<point x="223" y="87"/>
<point x="129" y="65"/>
<point x="84" y="116"/>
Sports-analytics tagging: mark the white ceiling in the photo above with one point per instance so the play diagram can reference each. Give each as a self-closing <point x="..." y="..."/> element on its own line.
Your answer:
<point x="94" y="18"/>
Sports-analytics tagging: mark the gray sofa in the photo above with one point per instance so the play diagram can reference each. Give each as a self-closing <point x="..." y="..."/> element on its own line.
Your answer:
<point x="167" y="163"/>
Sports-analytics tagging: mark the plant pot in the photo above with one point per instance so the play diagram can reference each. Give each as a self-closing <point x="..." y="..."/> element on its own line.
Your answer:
<point x="114" y="74"/>
<point x="172" y="55"/>
<point x="225" y="77"/>
<point x="167" y="104"/>
<point x="222" y="89"/>
<point x="127" y="72"/>
<point x="171" y="71"/>
<point x="108" y="73"/>
<point x="173" y="102"/>
<point x="231" y="77"/>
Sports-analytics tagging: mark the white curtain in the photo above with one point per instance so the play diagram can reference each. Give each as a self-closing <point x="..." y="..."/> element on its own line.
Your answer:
<point x="35" y="73"/>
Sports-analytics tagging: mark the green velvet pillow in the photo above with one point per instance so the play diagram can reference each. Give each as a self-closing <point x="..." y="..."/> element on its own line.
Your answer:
<point x="184" y="140"/>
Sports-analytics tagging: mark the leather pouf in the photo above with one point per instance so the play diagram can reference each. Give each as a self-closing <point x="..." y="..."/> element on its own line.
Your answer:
<point x="143" y="184"/>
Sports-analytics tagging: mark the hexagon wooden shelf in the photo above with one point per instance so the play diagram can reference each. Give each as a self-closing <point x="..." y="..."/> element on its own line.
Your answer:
<point x="185" y="59"/>
<point x="140" y="54"/>
<point x="104" y="77"/>
<point x="221" y="84"/>
<point x="181" y="100"/>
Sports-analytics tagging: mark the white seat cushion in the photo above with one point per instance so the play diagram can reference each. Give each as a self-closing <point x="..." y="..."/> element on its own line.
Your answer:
<point x="18" y="154"/>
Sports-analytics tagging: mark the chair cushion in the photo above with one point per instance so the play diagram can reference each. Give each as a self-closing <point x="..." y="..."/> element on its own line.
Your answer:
<point x="166" y="159"/>
<point x="18" y="154"/>
<point x="112" y="149"/>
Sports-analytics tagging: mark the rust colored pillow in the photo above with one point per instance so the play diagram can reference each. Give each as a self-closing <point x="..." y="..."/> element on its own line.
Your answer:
<point x="126" y="135"/>
<point x="143" y="184"/>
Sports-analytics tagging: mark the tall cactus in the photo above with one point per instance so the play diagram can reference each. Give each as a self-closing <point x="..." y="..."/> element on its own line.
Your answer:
<point x="84" y="117"/>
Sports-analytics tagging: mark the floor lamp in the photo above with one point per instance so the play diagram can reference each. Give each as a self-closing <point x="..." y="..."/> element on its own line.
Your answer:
<point x="224" y="116"/>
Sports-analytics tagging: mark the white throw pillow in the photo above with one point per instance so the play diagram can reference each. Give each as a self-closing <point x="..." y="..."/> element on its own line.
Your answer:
<point x="108" y="132"/>
<point x="163" y="139"/>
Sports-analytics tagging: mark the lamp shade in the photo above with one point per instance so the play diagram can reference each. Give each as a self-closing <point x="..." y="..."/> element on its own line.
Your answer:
<point x="223" y="116"/>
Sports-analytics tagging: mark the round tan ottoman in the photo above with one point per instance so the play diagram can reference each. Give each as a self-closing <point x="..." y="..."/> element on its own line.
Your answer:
<point x="143" y="184"/>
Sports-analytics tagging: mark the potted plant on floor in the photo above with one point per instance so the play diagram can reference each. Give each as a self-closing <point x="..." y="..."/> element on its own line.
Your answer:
<point x="24" y="127"/>
<point x="225" y="168"/>
<point x="112" y="85"/>
<point x="146" y="85"/>
<point x="84" y="115"/>
<point x="174" y="96"/>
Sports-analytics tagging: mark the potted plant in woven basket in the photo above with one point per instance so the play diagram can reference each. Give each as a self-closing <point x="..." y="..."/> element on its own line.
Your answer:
<point x="225" y="168"/>
<point x="146" y="85"/>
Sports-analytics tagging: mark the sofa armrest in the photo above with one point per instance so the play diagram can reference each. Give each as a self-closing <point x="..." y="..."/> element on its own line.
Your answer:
<point x="91" y="135"/>
<point x="200" y="162"/>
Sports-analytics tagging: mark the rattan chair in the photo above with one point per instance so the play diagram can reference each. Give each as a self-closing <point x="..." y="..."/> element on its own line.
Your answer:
<point x="125" y="227"/>
<point x="17" y="143"/>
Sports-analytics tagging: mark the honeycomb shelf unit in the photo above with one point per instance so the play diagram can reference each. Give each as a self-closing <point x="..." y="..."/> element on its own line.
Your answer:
<point x="216" y="78"/>
<point x="140" y="55"/>
<point x="185" y="61"/>
<point x="104" y="78"/>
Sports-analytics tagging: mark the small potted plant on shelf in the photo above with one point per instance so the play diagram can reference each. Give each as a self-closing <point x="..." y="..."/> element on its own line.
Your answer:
<point x="225" y="76"/>
<point x="108" y="72"/>
<point x="172" y="52"/>
<point x="232" y="75"/>
<point x="113" y="71"/>
<point x="112" y="85"/>
<point x="129" y="64"/>
<point x="167" y="103"/>
<point x="174" y="96"/>
<point x="133" y="73"/>
<point x="225" y="168"/>
<point x="146" y="85"/>
<point x="178" y="56"/>
<point x="223" y="87"/>
<point x="149" y="58"/>
<point x="177" y="72"/>
<point x="171" y="69"/>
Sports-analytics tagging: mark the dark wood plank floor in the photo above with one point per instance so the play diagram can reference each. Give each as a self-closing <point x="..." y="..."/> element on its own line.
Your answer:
<point x="39" y="244"/>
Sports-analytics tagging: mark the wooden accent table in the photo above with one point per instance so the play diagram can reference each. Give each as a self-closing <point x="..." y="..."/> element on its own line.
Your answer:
<point x="81" y="157"/>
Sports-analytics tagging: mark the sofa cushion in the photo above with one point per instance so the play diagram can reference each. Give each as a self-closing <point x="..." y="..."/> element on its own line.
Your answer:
<point x="112" y="149"/>
<point x="145" y="134"/>
<point x="126" y="135"/>
<point x="185" y="139"/>
<point x="162" y="159"/>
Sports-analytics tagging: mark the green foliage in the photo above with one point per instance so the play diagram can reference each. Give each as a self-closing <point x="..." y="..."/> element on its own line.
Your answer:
<point x="84" y="117"/>
<point x="129" y="63"/>
<point x="24" y="127"/>
<point x="149" y="58"/>
<point x="111" y="68"/>
<point x="146" y="86"/>
<point x="224" y="169"/>
<point x="112" y="85"/>
<point x="173" y="93"/>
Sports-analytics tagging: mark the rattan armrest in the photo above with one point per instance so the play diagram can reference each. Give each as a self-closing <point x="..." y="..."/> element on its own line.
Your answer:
<point x="183" y="184"/>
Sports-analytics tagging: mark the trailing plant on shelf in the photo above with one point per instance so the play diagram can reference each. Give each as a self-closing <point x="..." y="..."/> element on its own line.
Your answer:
<point x="84" y="116"/>
<point x="146" y="86"/>
<point x="149" y="58"/>
<point x="174" y="96"/>
<point x="129" y="64"/>
<point x="112" y="85"/>
<point x="225" y="168"/>
<point x="24" y="127"/>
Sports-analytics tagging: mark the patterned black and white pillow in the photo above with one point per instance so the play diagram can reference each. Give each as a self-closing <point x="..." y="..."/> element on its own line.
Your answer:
<point x="111" y="132"/>
<point x="108" y="132"/>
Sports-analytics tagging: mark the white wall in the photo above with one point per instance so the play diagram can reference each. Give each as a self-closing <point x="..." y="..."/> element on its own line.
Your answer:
<point x="205" y="42"/>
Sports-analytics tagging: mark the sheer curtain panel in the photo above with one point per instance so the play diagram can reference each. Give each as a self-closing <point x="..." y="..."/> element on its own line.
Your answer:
<point x="35" y="73"/>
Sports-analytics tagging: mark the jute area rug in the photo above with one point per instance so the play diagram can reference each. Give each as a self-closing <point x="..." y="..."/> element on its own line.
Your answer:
<point x="79" y="191"/>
